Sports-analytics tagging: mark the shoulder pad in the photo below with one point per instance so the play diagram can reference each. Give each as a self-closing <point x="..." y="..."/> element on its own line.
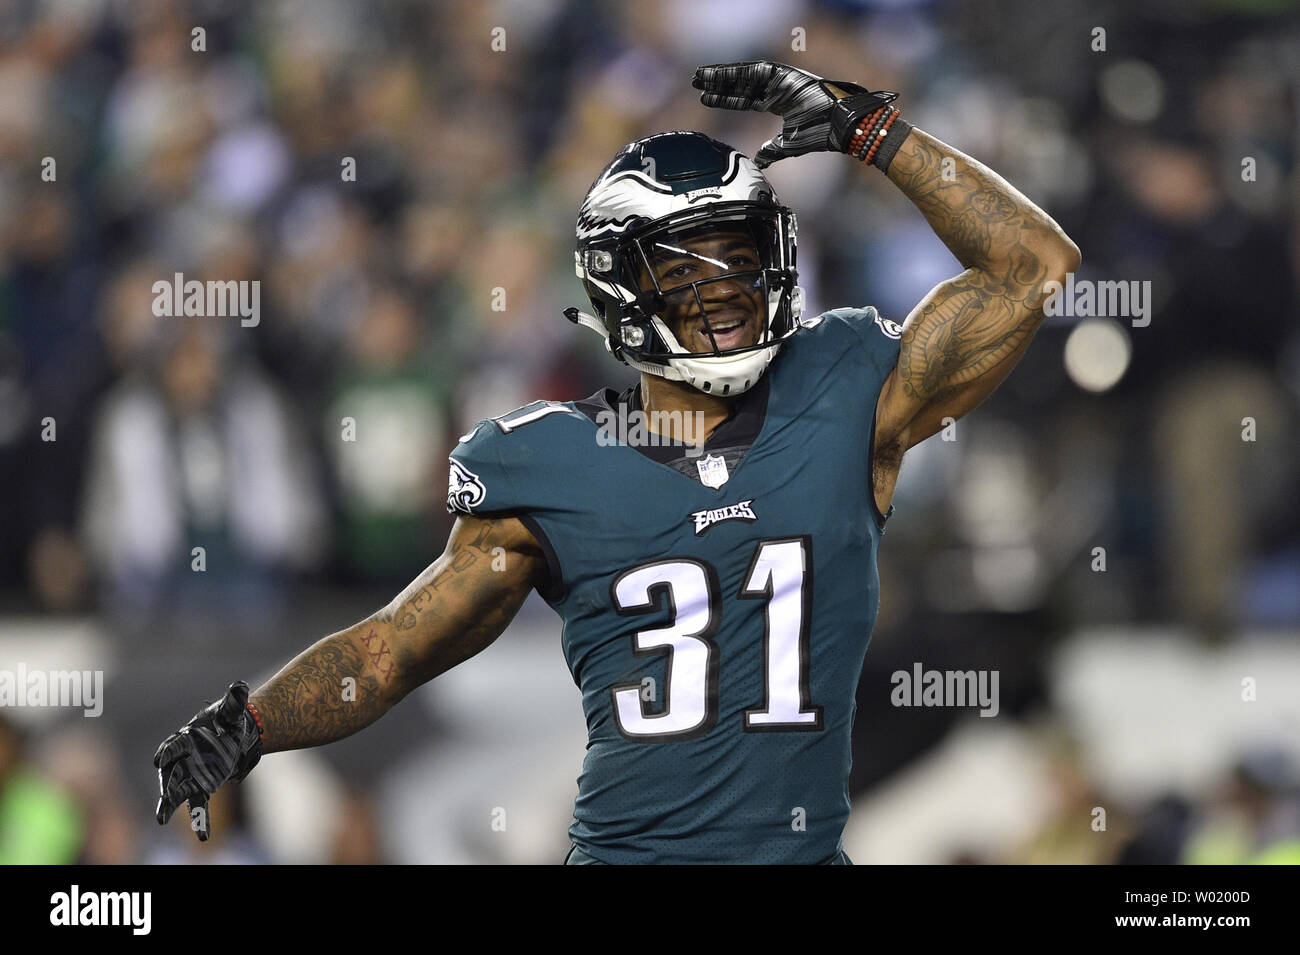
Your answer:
<point x="485" y="467"/>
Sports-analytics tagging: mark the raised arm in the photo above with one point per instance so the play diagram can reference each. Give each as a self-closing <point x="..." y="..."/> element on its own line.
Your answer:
<point x="458" y="606"/>
<point x="966" y="335"/>
<point x="968" y="332"/>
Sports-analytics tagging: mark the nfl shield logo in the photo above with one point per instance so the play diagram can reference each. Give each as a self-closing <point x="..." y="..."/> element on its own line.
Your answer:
<point x="713" y="471"/>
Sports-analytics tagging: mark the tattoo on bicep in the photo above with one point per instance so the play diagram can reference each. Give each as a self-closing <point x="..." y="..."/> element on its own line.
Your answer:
<point x="463" y="554"/>
<point x="486" y="531"/>
<point x="961" y="336"/>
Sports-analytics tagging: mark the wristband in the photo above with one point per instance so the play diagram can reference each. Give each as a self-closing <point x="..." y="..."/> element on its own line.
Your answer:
<point x="251" y="756"/>
<point x="878" y="134"/>
<point x="889" y="144"/>
<point x="257" y="718"/>
<point x="877" y="137"/>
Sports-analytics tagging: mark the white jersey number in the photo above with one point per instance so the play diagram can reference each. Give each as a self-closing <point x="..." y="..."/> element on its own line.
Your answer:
<point x="778" y="574"/>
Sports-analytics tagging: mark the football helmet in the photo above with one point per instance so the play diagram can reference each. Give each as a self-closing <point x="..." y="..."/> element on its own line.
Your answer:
<point x="640" y="217"/>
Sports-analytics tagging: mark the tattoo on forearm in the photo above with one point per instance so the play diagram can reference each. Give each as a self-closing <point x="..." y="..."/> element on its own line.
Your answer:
<point x="977" y="213"/>
<point x="380" y="656"/>
<point x="975" y="322"/>
<point x="400" y="647"/>
<point x="305" y="704"/>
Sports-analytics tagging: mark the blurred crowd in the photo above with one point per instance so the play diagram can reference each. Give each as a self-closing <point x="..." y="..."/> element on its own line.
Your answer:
<point x="403" y="178"/>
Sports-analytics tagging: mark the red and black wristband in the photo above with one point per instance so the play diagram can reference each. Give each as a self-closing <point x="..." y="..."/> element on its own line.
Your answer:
<point x="257" y="719"/>
<point x="878" y="137"/>
<point x="869" y="127"/>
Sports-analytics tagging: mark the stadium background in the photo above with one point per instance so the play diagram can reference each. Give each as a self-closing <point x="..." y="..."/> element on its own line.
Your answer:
<point x="1120" y="689"/>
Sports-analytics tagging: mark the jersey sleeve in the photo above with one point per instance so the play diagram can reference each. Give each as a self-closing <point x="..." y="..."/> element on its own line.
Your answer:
<point x="519" y="464"/>
<point x="477" y="479"/>
<point x="508" y="464"/>
<point x="878" y="340"/>
<point x="871" y="343"/>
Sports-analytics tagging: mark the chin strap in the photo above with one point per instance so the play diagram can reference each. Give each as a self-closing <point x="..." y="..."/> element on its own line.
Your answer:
<point x="579" y="317"/>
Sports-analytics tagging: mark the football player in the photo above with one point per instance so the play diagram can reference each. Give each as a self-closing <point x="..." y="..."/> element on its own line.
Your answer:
<point x="718" y="590"/>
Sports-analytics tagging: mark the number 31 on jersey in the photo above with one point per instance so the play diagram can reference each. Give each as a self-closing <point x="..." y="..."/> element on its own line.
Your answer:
<point x="780" y="574"/>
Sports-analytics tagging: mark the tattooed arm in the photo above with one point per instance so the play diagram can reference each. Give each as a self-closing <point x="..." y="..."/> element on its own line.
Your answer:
<point x="457" y="607"/>
<point x="967" y="334"/>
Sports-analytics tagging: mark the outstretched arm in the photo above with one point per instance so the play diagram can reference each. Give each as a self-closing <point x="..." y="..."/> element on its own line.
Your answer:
<point x="458" y="606"/>
<point x="346" y="681"/>
<point x="967" y="334"/>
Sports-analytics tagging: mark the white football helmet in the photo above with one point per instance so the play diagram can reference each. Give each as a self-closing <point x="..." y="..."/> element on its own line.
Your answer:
<point x="656" y="194"/>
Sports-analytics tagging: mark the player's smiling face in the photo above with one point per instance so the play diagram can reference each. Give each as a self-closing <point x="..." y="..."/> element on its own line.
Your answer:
<point x="734" y="306"/>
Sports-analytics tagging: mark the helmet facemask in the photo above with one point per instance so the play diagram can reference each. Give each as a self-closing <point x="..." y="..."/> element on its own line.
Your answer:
<point x="704" y="295"/>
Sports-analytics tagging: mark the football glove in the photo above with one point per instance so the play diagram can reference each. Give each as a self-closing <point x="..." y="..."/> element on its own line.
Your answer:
<point x="820" y="115"/>
<point x="221" y="742"/>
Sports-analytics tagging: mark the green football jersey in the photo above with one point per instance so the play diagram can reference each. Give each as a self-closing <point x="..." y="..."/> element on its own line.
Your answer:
<point x="717" y="604"/>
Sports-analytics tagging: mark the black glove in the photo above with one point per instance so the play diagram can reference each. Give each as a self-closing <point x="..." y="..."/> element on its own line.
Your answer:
<point x="221" y="742"/>
<point x="820" y="115"/>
